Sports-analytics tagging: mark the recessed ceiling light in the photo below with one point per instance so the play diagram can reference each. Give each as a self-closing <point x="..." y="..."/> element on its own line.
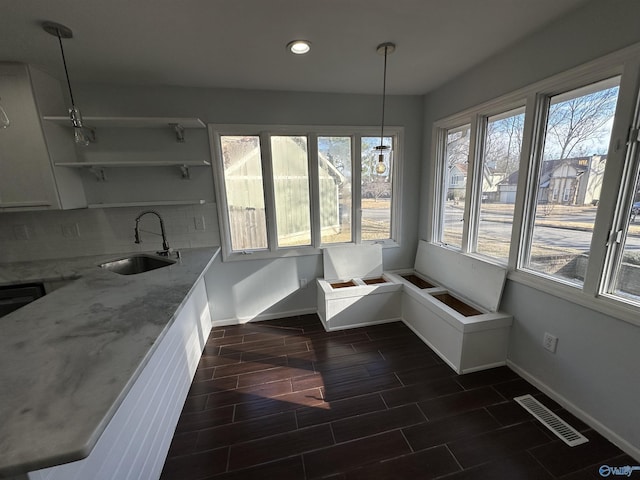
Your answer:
<point x="299" y="47"/>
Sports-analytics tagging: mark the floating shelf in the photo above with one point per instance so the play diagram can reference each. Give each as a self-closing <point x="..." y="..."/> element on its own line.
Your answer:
<point x="97" y="168"/>
<point x="131" y="122"/>
<point x="125" y="164"/>
<point x="146" y="204"/>
<point x="91" y="123"/>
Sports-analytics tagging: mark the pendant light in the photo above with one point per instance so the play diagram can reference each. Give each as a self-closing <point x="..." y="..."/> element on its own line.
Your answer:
<point x="383" y="152"/>
<point x="60" y="31"/>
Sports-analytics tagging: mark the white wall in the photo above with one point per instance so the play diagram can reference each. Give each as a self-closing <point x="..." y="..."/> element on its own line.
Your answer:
<point x="595" y="368"/>
<point x="286" y="108"/>
<point x="596" y="364"/>
<point x="262" y="289"/>
<point x="112" y="228"/>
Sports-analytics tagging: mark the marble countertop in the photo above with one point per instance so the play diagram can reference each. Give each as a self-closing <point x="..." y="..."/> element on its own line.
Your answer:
<point x="68" y="359"/>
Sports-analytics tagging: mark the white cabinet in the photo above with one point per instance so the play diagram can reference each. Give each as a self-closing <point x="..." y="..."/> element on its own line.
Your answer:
<point x="29" y="179"/>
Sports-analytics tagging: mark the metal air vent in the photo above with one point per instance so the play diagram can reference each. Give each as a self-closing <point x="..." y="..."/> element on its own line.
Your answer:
<point x="562" y="429"/>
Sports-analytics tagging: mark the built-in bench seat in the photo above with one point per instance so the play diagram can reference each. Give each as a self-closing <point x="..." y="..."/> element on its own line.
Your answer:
<point x="450" y="300"/>
<point x="354" y="291"/>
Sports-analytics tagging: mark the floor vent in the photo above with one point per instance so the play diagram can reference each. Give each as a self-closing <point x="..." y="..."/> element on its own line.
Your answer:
<point x="562" y="429"/>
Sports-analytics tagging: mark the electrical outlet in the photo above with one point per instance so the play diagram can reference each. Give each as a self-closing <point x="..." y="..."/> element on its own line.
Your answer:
<point x="199" y="223"/>
<point x="303" y="283"/>
<point x="71" y="230"/>
<point x="21" y="232"/>
<point x="550" y="342"/>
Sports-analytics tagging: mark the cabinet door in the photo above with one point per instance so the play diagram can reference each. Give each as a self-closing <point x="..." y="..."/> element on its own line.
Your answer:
<point x="26" y="178"/>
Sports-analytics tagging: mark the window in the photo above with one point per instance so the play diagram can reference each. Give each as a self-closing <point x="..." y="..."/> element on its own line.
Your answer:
<point x="500" y="164"/>
<point x="569" y="179"/>
<point x="334" y="175"/>
<point x="376" y="198"/>
<point x="291" y="190"/>
<point x="455" y="178"/>
<point x="245" y="195"/>
<point x="551" y="181"/>
<point x="622" y="278"/>
<point x="626" y="273"/>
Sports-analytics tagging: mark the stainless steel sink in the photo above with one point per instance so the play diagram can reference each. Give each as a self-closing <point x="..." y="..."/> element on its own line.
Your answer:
<point x="137" y="264"/>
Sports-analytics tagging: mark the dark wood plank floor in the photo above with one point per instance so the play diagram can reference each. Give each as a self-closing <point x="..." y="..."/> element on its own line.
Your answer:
<point x="283" y="399"/>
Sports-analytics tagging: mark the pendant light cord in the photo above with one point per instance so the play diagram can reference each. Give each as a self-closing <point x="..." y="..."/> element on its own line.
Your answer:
<point x="66" y="72"/>
<point x="384" y="94"/>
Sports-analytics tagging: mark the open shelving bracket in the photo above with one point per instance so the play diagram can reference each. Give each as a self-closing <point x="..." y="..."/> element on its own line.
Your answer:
<point x="186" y="174"/>
<point x="99" y="173"/>
<point x="179" y="129"/>
<point x="90" y="133"/>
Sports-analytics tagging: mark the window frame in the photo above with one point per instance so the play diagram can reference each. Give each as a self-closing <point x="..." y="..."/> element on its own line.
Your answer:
<point x="475" y="208"/>
<point x="440" y="136"/>
<point x="542" y="103"/>
<point x="311" y="132"/>
<point x="613" y="207"/>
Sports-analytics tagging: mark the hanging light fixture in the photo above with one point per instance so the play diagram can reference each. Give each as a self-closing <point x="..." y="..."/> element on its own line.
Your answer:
<point x="383" y="152"/>
<point x="60" y="31"/>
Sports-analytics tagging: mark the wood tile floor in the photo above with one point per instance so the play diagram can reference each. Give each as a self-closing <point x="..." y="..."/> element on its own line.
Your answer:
<point x="283" y="399"/>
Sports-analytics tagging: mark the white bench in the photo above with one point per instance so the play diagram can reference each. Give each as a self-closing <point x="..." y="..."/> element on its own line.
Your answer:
<point x="354" y="291"/>
<point x="456" y="313"/>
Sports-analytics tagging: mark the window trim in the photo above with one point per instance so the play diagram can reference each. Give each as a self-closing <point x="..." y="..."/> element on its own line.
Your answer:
<point x="542" y="103"/>
<point x="312" y="132"/>
<point x="594" y="293"/>
<point x="475" y="209"/>
<point x="440" y="178"/>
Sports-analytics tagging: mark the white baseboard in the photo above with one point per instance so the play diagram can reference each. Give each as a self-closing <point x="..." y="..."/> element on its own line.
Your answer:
<point x="486" y="366"/>
<point x="363" y="324"/>
<point x="223" y="322"/>
<point x="610" y="435"/>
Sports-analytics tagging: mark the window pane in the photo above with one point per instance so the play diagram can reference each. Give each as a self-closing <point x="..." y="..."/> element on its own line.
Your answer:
<point x="577" y="138"/>
<point x="627" y="276"/>
<point x="334" y="169"/>
<point x="291" y="189"/>
<point x="245" y="195"/>
<point x="456" y="164"/>
<point x="376" y="192"/>
<point x="502" y="146"/>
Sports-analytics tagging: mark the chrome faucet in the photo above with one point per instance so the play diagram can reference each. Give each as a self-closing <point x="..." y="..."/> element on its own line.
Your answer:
<point x="165" y="245"/>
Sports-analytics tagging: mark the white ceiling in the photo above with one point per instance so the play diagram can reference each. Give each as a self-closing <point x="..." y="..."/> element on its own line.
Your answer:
<point x="241" y="43"/>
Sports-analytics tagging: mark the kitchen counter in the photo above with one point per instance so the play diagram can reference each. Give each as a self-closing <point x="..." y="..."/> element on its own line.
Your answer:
<point x="69" y="359"/>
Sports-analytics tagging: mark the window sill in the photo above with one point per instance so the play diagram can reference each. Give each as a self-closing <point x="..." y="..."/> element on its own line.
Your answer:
<point x="606" y="305"/>
<point x="292" y="252"/>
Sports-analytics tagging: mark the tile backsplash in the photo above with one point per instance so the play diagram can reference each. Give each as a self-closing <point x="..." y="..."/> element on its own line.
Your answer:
<point x="58" y="234"/>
